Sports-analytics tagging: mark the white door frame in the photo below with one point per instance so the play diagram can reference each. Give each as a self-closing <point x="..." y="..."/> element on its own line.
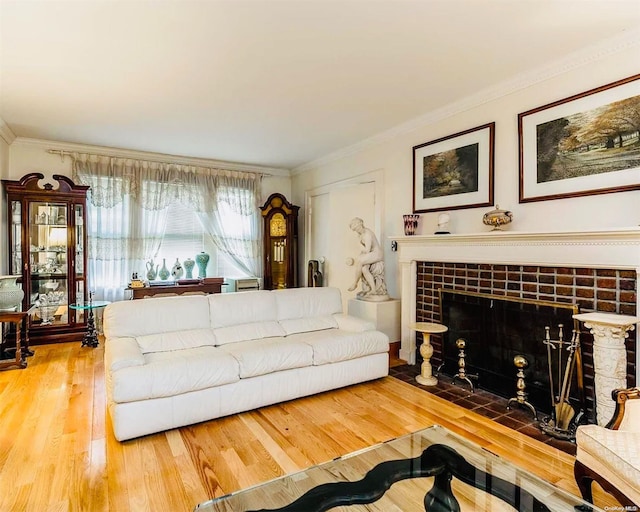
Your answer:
<point x="377" y="177"/>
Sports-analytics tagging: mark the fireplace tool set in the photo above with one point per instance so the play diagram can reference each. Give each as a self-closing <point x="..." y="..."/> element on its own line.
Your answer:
<point x="564" y="418"/>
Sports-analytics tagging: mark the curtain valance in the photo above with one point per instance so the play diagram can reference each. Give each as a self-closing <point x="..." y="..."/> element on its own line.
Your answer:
<point x="155" y="185"/>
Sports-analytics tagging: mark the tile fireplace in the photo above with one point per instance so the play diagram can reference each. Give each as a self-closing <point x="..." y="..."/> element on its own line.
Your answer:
<point x="595" y="271"/>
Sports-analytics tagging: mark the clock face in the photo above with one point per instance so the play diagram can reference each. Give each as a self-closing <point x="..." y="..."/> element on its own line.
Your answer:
<point x="278" y="225"/>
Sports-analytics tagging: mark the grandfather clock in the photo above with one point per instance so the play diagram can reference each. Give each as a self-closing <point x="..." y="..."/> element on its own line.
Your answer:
<point x="280" y="243"/>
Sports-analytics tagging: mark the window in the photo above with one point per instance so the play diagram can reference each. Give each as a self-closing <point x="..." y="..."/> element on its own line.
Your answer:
<point x="140" y="210"/>
<point x="184" y="237"/>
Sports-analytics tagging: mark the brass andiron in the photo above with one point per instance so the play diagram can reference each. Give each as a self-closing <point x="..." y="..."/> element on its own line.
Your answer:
<point x="521" y="394"/>
<point x="462" y="364"/>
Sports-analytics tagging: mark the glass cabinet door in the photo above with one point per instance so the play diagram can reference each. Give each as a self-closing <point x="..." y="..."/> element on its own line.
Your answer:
<point x="49" y="239"/>
<point x="15" y="238"/>
<point x="78" y="266"/>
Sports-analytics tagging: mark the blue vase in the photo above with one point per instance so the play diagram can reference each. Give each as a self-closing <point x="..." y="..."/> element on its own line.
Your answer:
<point x="188" y="267"/>
<point x="202" y="260"/>
<point x="164" y="271"/>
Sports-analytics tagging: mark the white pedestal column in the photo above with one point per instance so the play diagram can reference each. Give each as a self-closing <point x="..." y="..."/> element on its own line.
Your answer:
<point x="609" y="357"/>
<point x="385" y="315"/>
<point x="426" y="377"/>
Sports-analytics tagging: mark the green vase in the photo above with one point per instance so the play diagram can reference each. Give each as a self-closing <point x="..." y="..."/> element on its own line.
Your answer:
<point x="188" y="267"/>
<point x="164" y="271"/>
<point x="202" y="260"/>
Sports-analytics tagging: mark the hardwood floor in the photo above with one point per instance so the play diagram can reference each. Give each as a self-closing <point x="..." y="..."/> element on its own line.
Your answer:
<point x="57" y="451"/>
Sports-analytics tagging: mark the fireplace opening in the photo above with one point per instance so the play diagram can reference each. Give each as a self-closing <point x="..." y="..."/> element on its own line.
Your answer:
<point x="499" y="328"/>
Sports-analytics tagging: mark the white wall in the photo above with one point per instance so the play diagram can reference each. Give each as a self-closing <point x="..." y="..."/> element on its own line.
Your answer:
<point x="4" y="170"/>
<point x="394" y="155"/>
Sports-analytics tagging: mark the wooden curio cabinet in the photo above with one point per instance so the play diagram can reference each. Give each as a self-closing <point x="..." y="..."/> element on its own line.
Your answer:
<point x="280" y="243"/>
<point x="47" y="242"/>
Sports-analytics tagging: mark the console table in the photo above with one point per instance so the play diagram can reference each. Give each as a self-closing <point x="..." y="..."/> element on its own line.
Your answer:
<point x="212" y="285"/>
<point x="20" y="319"/>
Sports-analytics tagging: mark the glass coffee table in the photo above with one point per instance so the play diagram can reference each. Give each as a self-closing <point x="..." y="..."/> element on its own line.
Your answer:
<point x="432" y="469"/>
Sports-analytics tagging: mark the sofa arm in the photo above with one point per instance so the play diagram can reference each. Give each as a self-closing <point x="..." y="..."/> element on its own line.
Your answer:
<point x="352" y="323"/>
<point x="122" y="353"/>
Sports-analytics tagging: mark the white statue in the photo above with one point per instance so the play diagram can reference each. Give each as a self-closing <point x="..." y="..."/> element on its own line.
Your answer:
<point x="369" y="265"/>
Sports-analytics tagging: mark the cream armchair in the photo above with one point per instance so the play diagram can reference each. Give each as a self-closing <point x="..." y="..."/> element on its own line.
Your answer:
<point x="611" y="455"/>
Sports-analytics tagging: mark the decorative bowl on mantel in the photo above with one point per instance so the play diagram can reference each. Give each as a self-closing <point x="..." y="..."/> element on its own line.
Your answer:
<point x="497" y="218"/>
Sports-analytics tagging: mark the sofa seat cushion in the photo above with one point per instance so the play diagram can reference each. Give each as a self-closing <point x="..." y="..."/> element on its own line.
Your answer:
<point x="176" y="340"/>
<point x="174" y="372"/>
<point x="614" y="454"/>
<point x="258" y="357"/>
<point x="333" y="345"/>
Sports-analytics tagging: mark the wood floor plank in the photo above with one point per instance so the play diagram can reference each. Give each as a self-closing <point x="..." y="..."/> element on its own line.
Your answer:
<point x="57" y="450"/>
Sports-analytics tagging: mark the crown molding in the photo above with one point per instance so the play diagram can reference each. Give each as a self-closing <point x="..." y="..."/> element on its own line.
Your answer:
<point x="146" y="155"/>
<point x="6" y="133"/>
<point x="577" y="59"/>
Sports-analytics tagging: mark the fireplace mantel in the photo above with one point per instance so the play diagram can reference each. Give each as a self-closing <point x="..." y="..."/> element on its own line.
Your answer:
<point x="602" y="248"/>
<point x="610" y="248"/>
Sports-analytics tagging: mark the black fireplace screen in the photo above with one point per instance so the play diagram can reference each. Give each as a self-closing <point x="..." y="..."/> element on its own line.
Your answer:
<point x="498" y="328"/>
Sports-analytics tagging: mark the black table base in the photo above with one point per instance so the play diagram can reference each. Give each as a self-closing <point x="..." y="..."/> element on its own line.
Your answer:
<point x="439" y="461"/>
<point x="90" y="338"/>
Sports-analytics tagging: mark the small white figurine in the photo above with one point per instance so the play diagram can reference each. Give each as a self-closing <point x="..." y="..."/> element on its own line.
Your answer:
<point x="443" y="224"/>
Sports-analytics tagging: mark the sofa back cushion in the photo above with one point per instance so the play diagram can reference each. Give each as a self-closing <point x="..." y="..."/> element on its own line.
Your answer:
<point x="307" y="309"/>
<point x="176" y="340"/>
<point x="243" y="316"/>
<point x="156" y="315"/>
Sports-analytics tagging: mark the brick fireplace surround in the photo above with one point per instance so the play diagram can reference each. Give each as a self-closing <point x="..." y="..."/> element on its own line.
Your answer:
<point x="597" y="270"/>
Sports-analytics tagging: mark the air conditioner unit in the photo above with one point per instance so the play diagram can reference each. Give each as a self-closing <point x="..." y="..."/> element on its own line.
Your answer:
<point x="240" y="284"/>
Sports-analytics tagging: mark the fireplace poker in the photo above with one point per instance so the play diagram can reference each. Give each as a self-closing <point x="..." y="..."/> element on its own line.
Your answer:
<point x="547" y="341"/>
<point x="564" y="410"/>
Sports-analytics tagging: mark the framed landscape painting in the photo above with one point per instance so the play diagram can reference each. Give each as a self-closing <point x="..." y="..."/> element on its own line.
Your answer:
<point x="583" y="145"/>
<point x="454" y="172"/>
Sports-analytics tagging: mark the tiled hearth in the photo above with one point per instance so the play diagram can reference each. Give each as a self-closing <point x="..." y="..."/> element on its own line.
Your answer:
<point x="484" y="403"/>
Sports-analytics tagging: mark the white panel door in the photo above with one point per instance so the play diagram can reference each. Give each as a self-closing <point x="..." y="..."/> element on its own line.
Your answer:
<point x="330" y="209"/>
<point x="345" y="203"/>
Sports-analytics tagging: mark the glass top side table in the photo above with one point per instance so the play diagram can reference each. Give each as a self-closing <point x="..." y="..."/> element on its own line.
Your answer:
<point x="90" y="338"/>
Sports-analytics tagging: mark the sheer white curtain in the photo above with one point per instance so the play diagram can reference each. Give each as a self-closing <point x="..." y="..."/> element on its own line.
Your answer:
<point x="127" y="214"/>
<point x="232" y="219"/>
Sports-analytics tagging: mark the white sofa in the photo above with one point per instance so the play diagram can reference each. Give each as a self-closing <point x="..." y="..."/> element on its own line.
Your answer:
<point x="174" y="361"/>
